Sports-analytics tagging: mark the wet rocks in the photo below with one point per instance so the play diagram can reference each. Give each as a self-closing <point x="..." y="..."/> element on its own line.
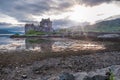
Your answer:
<point x="66" y="76"/>
<point x="118" y="72"/>
<point x="96" y="77"/>
<point x="50" y="69"/>
<point x="41" y="69"/>
<point x="4" y="71"/>
<point x="37" y="70"/>
<point x="80" y="75"/>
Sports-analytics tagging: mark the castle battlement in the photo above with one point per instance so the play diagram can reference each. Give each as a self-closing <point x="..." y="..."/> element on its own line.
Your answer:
<point x="45" y="25"/>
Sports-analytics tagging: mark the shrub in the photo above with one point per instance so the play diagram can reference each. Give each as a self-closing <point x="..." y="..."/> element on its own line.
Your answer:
<point x="33" y="32"/>
<point x="17" y="34"/>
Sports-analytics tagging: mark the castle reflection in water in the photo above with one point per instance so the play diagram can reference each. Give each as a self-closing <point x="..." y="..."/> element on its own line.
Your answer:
<point x="41" y="45"/>
<point x="55" y="45"/>
<point x="49" y="44"/>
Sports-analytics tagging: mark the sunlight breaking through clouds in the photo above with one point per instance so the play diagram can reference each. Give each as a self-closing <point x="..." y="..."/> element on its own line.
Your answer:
<point x="7" y="19"/>
<point x="23" y="11"/>
<point x="82" y="13"/>
<point x="91" y="14"/>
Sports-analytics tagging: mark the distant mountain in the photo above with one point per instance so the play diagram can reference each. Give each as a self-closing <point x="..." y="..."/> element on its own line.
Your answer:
<point x="106" y="26"/>
<point x="112" y="17"/>
<point x="2" y="31"/>
<point x="12" y="30"/>
<point x="2" y="23"/>
<point x="19" y="30"/>
<point x="102" y="26"/>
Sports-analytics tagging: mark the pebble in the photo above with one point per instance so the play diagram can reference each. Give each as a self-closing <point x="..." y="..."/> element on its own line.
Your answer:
<point x="24" y="76"/>
<point x="66" y="76"/>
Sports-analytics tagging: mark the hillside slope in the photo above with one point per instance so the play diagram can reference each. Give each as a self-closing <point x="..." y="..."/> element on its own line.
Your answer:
<point x="106" y="26"/>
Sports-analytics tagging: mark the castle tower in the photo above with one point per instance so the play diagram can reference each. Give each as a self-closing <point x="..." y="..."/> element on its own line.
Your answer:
<point x="46" y="25"/>
<point x="29" y="27"/>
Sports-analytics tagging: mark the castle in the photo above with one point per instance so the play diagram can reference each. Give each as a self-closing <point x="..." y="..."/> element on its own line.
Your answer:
<point x="44" y="26"/>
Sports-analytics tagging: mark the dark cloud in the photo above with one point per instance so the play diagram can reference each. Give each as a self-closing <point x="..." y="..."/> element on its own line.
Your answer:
<point x="95" y="2"/>
<point x="62" y="23"/>
<point x="20" y="9"/>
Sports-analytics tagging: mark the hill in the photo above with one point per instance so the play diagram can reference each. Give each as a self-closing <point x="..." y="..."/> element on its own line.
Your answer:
<point x="2" y="31"/>
<point x="103" y="26"/>
<point x="106" y="26"/>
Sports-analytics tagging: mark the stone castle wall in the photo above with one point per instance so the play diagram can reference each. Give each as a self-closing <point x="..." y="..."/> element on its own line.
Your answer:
<point x="45" y="26"/>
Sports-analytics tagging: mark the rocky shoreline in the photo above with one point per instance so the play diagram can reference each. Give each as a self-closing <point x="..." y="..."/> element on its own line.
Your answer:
<point x="51" y="68"/>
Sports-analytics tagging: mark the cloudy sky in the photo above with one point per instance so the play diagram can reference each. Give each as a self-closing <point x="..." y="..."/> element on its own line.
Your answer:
<point x="63" y="13"/>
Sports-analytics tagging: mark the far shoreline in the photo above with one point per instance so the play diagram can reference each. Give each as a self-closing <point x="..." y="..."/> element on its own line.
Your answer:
<point x="84" y="36"/>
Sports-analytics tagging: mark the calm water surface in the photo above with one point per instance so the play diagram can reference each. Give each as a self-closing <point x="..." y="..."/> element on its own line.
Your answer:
<point x="49" y="44"/>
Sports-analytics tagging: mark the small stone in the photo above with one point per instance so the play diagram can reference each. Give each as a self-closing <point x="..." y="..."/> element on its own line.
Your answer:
<point x="66" y="76"/>
<point x="87" y="78"/>
<point x="28" y="63"/>
<point x="16" y="67"/>
<point x="53" y="78"/>
<point x="96" y="77"/>
<point x="38" y="72"/>
<point x="24" y="76"/>
<point x="18" y="71"/>
<point x="21" y="65"/>
<point x="99" y="77"/>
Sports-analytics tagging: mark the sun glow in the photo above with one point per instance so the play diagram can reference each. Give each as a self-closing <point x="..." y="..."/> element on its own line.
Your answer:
<point x="82" y="13"/>
<point x="7" y="19"/>
<point x="79" y="13"/>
